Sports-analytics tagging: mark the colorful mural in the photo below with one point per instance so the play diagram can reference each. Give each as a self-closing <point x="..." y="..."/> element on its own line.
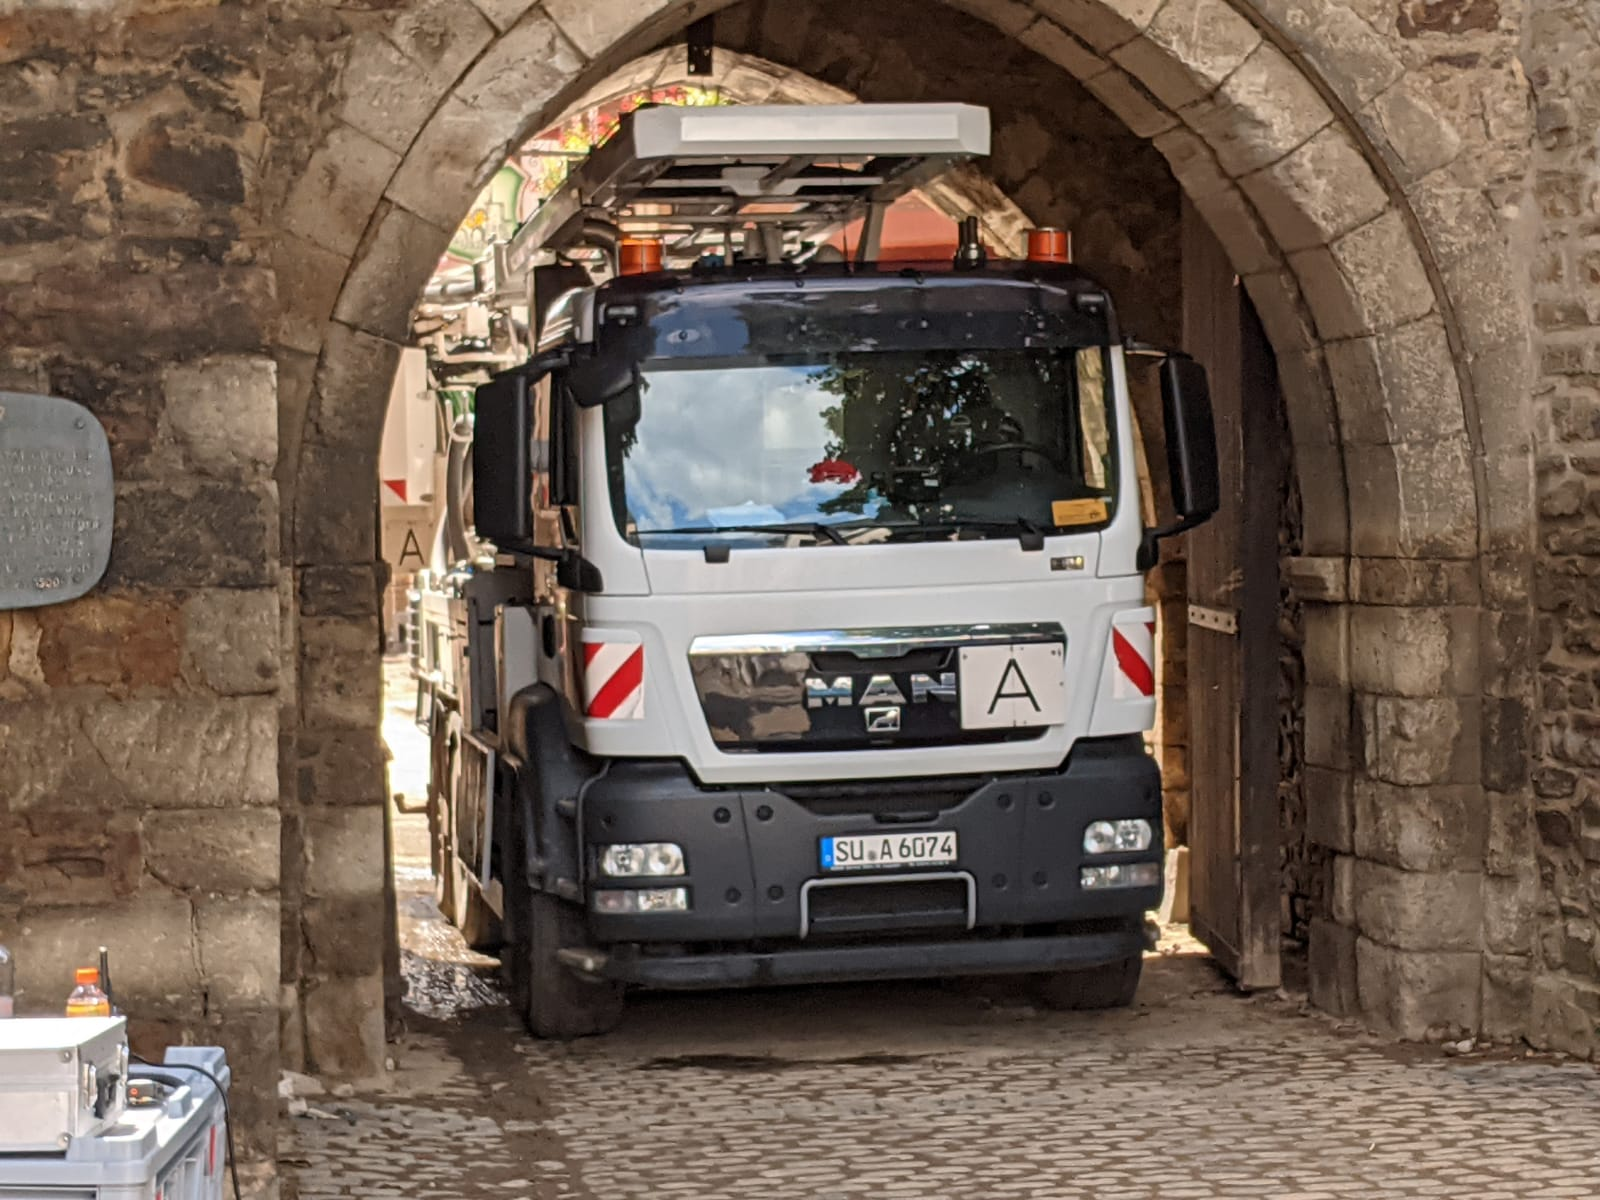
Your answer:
<point x="540" y="166"/>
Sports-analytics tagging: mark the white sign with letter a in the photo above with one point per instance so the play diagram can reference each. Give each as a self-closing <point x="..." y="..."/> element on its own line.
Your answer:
<point x="1007" y="686"/>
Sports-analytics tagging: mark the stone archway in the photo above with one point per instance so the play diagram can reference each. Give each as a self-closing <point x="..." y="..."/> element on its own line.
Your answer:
<point x="1388" y="295"/>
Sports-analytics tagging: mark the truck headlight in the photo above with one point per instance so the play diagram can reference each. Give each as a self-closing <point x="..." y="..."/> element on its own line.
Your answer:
<point x="1112" y="837"/>
<point x="641" y="900"/>
<point x="631" y="860"/>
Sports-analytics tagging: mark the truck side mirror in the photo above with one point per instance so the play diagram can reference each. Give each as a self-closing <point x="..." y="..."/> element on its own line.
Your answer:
<point x="502" y="466"/>
<point x="1191" y="439"/>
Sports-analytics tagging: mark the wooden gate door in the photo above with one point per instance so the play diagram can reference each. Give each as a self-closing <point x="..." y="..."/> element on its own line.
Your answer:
<point x="1232" y="636"/>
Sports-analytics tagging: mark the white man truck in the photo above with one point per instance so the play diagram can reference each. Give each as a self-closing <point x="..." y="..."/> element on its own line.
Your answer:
<point x="808" y="638"/>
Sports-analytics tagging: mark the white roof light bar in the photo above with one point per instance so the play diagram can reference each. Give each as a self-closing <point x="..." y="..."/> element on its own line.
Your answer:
<point x="818" y="130"/>
<point x="805" y="168"/>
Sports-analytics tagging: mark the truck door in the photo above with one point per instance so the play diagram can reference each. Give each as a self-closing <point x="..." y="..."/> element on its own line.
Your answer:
<point x="1232" y="635"/>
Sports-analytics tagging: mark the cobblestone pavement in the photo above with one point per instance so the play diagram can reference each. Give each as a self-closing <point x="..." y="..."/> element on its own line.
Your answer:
<point x="922" y="1090"/>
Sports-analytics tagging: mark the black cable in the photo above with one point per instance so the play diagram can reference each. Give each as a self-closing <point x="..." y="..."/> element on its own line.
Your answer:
<point x="227" y="1117"/>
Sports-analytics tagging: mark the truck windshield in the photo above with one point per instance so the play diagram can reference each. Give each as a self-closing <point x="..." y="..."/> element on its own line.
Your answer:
<point x="864" y="447"/>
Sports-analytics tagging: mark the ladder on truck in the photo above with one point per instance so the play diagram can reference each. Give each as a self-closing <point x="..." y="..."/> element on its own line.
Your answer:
<point x="758" y="182"/>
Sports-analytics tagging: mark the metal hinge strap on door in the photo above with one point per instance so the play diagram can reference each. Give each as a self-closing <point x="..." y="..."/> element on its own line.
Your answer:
<point x="1218" y="619"/>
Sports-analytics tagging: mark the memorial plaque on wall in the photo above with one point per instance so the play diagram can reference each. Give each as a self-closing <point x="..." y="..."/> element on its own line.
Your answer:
<point x="56" y="500"/>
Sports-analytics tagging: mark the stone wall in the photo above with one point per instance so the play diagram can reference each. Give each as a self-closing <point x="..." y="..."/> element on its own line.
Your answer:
<point x="1562" y="59"/>
<point x="139" y="775"/>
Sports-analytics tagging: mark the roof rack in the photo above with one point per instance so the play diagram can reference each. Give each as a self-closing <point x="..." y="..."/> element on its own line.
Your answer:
<point x="758" y="181"/>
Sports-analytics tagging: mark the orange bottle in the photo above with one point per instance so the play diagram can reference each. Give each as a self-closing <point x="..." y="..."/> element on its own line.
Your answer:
<point x="87" y="1000"/>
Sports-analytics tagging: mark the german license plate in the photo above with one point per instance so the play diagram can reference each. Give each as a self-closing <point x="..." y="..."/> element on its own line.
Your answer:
<point x="936" y="849"/>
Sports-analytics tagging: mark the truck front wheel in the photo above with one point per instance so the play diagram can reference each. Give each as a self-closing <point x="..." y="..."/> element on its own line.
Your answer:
<point x="559" y="1004"/>
<point x="1110" y="986"/>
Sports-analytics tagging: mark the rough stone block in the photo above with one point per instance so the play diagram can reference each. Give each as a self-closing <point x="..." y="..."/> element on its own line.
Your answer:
<point x="230" y="640"/>
<point x="1564" y="1016"/>
<point x="596" y="26"/>
<point x="1352" y="56"/>
<point x="382" y="99"/>
<point x="1510" y="836"/>
<point x="1506" y="726"/>
<point x="1263" y="110"/>
<point x="1325" y="515"/>
<point x="1507" y="995"/>
<point x="1414" y="582"/>
<point x="1413" y="910"/>
<point x="352" y="387"/>
<point x="1342" y="889"/>
<point x="1329" y="815"/>
<point x="344" y="936"/>
<point x="1230" y="216"/>
<point x="344" y="852"/>
<point x="153" y="965"/>
<point x="442" y="37"/>
<point x="224" y="413"/>
<point x="309" y="279"/>
<point x="189" y="753"/>
<point x="341" y="678"/>
<point x="334" y="197"/>
<point x="1413" y="500"/>
<point x="194" y="533"/>
<point x="1327" y="727"/>
<point x="503" y="14"/>
<point x="1326" y="649"/>
<point x="1398" y="386"/>
<point x="121" y="643"/>
<point x="1192" y="163"/>
<point x="1331" y="965"/>
<point x="1510" y="913"/>
<point x="344" y="1027"/>
<point x="339" y="591"/>
<point x="55" y="855"/>
<point x="1385" y="272"/>
<point x="1316" y="193"/>
<point x="229" y="850"/>
<point x="1408" y="993"/>
<point x="1049" y="40"/>
<point x="1188" y="49"/>
<point x="388" y="272"/>
<point x="1419" y="139"/>
<point x="250" y="1039"/>
<point x="343" y="767"/>
<point x="459" y="148"/>
<point x="1437" y="828"/>
<point x="1130" y="102"/>
<point x="1413" y="741"/>
<point x="240" y="938"/>
<point x="1413" y="651"/>
<point x="335" y="508"/>
<point x="1104" y="24"/>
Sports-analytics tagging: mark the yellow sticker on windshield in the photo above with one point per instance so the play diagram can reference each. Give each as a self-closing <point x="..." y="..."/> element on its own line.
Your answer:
<point x="1077" y="512"/>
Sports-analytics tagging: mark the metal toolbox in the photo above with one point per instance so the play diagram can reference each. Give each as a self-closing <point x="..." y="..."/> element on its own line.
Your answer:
<point x="61" y="1079"/>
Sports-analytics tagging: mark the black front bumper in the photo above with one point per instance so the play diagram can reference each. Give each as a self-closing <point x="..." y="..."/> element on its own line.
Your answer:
<point x="845" y="964"/>
<point x="757" y="891"/>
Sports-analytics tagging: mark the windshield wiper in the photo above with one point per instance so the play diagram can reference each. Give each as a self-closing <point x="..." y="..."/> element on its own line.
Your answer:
<point x="1029" y="534"/>
<point x="819" y="530"/>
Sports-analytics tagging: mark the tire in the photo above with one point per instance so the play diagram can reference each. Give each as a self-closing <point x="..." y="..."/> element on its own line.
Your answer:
<point x="558" y="1004"/>
<point x="1109" y="986"/>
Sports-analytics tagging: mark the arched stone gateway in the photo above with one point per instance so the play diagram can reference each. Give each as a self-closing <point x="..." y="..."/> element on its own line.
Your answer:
<point x="267" y="195"/>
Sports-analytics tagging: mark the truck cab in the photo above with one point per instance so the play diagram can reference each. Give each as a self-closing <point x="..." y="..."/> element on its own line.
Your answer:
<point x="816" y="631"/>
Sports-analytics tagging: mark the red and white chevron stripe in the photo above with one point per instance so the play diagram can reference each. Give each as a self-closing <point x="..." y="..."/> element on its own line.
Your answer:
<point x="1133" y="642"/>
<point x="613" y="680"/>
